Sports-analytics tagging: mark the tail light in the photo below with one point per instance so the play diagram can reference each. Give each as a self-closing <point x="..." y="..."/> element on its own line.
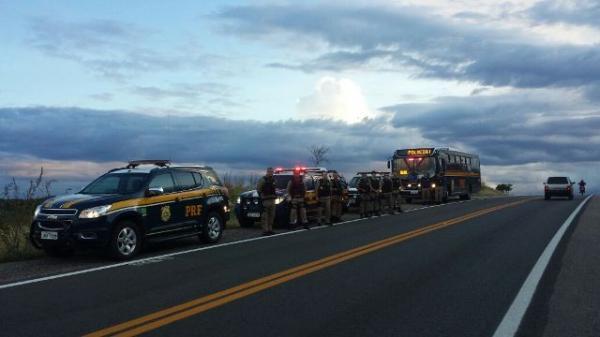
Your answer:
<point x="546" y="188"/>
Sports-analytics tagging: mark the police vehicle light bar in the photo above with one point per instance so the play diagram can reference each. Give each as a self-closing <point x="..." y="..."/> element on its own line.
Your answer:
<point x="160" y="163"/>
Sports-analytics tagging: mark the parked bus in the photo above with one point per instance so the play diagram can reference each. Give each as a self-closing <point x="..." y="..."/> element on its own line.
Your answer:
<point x="435" y="174"/>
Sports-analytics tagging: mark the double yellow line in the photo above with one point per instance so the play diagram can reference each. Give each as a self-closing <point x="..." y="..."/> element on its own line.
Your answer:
<point x="167" y="316"/>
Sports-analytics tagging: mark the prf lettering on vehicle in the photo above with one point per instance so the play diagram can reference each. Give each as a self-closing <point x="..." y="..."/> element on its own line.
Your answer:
<point x="193" y="210"/>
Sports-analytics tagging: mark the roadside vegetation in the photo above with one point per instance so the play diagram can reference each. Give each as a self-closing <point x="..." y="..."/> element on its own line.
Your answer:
<point x="488" y="191"/>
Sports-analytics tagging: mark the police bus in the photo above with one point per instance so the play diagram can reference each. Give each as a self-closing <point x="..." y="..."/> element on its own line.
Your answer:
<point x="435" y="174"/>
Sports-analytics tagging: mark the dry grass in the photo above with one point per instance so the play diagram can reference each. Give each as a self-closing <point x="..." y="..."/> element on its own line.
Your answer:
<point x="15" y="219"/>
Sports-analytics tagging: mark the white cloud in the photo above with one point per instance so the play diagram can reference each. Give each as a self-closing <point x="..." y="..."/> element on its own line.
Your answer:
<point x="333" y="98"/>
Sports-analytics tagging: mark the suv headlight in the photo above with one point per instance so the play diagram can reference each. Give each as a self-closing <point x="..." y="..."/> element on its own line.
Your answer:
<point x="37" y="211"/>
<point x="94" y="212"/>
<point x="432" y="185"/>
<point x="279" y="200"/>
<point x="238" y="200"/>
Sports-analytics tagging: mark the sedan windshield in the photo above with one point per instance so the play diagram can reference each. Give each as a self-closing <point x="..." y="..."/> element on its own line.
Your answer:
<point x="122" y="183"/>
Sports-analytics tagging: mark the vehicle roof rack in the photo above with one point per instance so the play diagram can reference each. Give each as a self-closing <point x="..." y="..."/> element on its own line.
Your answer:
<point x="159" y="162"/>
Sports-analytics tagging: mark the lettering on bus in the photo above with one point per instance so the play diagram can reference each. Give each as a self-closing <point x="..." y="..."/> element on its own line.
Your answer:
<point x="419" y="152"/>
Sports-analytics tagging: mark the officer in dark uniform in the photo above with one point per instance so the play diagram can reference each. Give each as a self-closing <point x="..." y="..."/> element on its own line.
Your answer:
<point x="375" y="194"/>
<point x="266" y="189"/>
<point x="386" y="191"/>
<point x="397" y="198"/>
<point x="296" y="192"/>
<point x="426" y="189"/>
<point x="336" y="197"/>
<point x="364" y="193"/>
<point x="324" y="195"/>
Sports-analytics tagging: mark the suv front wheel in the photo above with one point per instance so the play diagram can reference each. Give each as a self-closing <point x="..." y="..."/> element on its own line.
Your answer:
<point x="213" y="229"/>
<point x="126" y="241"/>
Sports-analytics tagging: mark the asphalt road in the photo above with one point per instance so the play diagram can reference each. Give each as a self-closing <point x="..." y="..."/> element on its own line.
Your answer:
<point x="443" y="271"/>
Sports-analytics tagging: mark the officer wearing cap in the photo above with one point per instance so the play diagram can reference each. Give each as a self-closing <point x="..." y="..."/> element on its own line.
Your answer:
<point x="266" y="189"/>
<point x="336" y="197"/>
<point x="397" y="198"/>
<point x="386" y="191"/>
<point x="296" y="192"/>
<point x="375" y="194"/>
<point x="364" y="193"/>
<point x="324" y="195"/>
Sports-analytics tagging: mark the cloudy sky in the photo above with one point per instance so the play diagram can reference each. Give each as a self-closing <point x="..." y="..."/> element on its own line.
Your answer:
<point x="85" y="86"/>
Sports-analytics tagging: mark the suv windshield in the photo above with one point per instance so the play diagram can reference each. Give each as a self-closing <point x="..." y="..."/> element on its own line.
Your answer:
<point x="558" y="180"/>
<point x="118" y="183"/>
<point x="354" y="182"/>
<point x="281" y="181"/>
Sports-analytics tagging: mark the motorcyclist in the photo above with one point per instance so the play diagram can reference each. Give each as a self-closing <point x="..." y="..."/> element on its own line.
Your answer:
<point x="582" y="186"/>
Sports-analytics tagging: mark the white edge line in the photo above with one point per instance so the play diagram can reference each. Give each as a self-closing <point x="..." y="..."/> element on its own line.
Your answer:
<point x="150" y="258"/>
<point x="513" y="317"/>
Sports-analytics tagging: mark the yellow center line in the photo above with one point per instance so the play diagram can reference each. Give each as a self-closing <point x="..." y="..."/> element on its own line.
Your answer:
<point x="169" y="315"/>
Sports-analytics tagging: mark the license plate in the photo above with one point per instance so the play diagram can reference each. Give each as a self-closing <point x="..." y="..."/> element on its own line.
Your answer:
<point x="253" y="215"/>
<point x="414" y="192"/>
<point x="49" y="236"/>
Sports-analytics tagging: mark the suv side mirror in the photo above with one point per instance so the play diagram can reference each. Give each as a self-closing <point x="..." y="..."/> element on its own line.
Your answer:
<point x="154" y="191"/>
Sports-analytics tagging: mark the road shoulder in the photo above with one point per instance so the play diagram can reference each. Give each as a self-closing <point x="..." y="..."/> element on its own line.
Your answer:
<point x="567" y="301"/>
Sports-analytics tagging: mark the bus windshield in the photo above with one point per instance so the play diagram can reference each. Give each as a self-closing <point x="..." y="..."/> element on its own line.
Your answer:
<point x="419" y="166"/>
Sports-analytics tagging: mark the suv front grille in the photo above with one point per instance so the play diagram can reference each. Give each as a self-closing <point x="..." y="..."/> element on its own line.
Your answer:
<point x="55" y="225"/>
<point x="59" y="211"/>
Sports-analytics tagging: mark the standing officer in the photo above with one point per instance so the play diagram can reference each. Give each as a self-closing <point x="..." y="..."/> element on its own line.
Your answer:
<point x="426" y="189"/>
<point x="386" y="190"/>
<point x="364" y="192"/>
<point x="336" y="197"/>
<point x="375" y="194"/>
<point x="296" y="191"/>
<point x="397" y="198"/>
<point x="324" y="195"/>
<point x="266" y="189"/>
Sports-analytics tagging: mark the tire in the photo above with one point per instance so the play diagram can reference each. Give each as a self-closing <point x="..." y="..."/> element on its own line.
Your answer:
<point x="213" y="228"/>
<point x="409" y="200"/>
<point x="445" y="197"/>
<point x="571" y="197"/>
<point x="126" y="241"/>
<point x="465" y="196"/>
<point x="547" y="197"/>
<point x="245" y="222"/>
<point x="61" y="252"/>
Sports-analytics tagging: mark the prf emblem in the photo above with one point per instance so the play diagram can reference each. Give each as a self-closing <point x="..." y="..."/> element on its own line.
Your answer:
<point x="165" y="213"/>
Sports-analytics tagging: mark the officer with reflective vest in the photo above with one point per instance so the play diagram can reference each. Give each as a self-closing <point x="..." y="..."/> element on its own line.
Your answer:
<point x="324" y="195"/>
<point x="266" y="189"/>
<point x="296" y="192"/>
<point x="336" y="197"/>
<point x="364" y="193"/>
<point x="386" y="191"/>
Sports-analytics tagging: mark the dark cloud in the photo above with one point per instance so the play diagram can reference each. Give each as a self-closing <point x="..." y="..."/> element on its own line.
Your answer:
<point x="392" y="38"/>
<point x="109" y="48"/>
<point x="101" y="136"/>
<point x="579" y="12"/>
<point x="509" y="129"/>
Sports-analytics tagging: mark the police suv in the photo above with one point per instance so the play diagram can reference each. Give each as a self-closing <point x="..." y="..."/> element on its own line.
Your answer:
<point x="127" y="207"/>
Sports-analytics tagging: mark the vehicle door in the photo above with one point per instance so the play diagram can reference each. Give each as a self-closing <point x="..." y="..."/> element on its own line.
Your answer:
<point x="192" y="199"/>
<point x="161" y="210"/>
